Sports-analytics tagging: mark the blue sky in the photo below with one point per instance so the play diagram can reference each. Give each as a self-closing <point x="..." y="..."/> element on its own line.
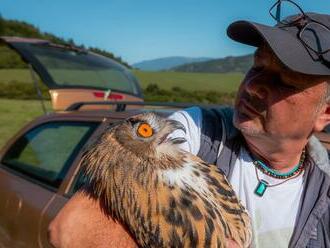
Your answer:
<point x="139" y="30"/>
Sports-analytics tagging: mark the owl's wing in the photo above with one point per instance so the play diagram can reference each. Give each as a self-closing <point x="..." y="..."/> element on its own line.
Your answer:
<point x="198" y="204"/>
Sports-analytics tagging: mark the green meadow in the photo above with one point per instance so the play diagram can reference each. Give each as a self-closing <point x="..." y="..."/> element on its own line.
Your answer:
<point x="189" y="87"/>
<point x="220" y="82"/>
<point x="14" y="114"/>
<point x="18" y="75"/>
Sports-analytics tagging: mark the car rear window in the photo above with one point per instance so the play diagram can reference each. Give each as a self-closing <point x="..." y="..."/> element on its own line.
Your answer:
<point x="73" y="68"/>
<point x="46" y="152"/>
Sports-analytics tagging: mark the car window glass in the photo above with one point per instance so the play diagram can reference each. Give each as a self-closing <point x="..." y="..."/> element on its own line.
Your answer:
<point x="74" y="68"/>
<point x="45" y="153"/>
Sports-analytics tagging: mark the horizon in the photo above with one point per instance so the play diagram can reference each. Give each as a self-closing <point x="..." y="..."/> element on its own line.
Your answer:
<point x="147" y="30"/>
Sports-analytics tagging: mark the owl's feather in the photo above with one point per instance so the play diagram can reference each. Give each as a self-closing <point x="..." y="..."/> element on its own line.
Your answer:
<point x="165" y="196"/>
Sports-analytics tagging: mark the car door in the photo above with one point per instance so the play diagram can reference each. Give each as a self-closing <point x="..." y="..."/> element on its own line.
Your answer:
<point x="32" y="170"/>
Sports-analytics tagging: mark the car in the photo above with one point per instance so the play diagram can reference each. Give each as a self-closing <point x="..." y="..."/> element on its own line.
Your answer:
<point x="40" y="170"/>
<point x="74" y="74"/>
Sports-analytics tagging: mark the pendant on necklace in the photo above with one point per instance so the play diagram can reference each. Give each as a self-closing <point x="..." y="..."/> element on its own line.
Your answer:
<point x="261" y="188"/>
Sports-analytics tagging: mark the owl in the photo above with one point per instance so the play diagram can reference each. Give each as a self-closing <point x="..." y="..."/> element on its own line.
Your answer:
<point x="166" y="196"/>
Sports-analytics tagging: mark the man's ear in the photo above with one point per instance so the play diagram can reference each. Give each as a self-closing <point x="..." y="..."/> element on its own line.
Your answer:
<point x="323" y="119"/>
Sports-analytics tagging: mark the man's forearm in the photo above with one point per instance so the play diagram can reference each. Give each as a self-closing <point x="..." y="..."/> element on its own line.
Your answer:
<point x="82" y="223"/>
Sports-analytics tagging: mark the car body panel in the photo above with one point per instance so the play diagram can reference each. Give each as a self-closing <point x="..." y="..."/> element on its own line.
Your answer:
<point x="28" y="206"/>
<point x="62" y="98"/>
<point x="49" y="212"/>
<point x="25" y="201"/>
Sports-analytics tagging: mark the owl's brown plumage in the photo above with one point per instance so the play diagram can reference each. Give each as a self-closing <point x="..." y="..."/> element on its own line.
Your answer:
<point x="166" y="197"/>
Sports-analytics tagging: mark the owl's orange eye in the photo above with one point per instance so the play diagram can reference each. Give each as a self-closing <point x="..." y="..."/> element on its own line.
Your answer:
<point x="145" y="130"/>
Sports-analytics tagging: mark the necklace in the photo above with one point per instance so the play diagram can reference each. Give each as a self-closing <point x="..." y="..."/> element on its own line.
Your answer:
<point x="263" y="184"/>
<point x="273" y="173"/>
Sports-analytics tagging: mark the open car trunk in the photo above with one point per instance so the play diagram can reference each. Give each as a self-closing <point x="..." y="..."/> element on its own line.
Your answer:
<point x="76" y="75"/>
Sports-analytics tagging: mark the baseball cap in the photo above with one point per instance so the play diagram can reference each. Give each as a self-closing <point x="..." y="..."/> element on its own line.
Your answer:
<point x="301" y="44"/>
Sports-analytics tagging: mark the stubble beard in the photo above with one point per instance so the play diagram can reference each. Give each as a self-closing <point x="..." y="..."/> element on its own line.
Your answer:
<point x="246" y="127"/>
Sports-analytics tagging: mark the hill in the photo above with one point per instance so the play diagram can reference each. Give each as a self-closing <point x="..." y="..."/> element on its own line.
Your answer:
<point x="24" y="29"/>
<point x="224" y="65"/>
<point x="162" y="64"/>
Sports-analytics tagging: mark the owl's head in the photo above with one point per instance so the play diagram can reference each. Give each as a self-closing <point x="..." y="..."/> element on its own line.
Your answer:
<point x="139" y="138"/>
<point x="139" y="144"/>
<point x="148" y="134"/>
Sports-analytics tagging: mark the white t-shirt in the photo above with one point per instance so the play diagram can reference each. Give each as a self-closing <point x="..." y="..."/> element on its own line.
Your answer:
<point x="273" y="215"/>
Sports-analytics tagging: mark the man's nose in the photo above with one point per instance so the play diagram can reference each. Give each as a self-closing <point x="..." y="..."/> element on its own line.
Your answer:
<point x="256" y="85"/>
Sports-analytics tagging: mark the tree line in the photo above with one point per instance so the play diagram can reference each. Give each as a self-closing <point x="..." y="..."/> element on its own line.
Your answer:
<point x="24" y="29"/>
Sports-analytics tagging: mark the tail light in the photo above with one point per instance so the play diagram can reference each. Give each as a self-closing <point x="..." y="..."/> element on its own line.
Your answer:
<point x="111" y="96"/>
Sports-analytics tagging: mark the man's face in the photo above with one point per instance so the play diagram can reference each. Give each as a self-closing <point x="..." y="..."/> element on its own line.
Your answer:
<point x="275" y="102"/>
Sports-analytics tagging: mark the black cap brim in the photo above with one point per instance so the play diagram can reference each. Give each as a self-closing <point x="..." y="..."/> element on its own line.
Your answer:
<point x="286" y="46"/>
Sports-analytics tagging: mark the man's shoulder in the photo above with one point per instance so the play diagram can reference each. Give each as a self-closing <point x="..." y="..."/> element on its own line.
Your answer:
<point x="191" y="118"/>
<point x="200" y="123"/>
<point x="319" y="154"/>
<point x="217" y="117"/>
<point x="190" y="114"/>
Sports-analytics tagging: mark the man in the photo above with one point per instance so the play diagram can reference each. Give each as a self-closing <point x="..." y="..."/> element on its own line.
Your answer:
<point x="278" y="170"/>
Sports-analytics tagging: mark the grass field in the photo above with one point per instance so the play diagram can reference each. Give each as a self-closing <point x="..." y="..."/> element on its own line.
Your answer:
<point x="19" y="75"/>
<point x="222" y="82"/>
<point x="14" y="114"/>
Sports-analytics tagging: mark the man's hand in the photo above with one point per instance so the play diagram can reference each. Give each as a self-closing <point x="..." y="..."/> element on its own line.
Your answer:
<point x="81" y="223"/>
